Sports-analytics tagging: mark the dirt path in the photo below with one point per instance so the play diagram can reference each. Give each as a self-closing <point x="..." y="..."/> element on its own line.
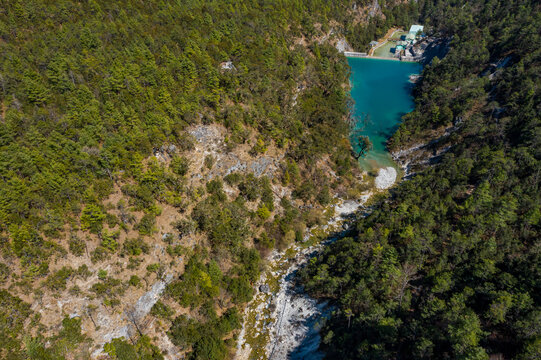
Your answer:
<point x="384" y="40"/>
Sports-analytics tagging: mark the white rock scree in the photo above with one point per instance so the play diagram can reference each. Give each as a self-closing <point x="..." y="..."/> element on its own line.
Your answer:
<point x="294" y="322"/>
<point x="386" y="178"/>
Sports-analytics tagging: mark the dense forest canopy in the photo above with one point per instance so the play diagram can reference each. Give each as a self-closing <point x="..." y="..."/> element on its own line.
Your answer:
<point x="449" y="265"/>
<point x="89" y="89"/>
<point x="95" y="94"/>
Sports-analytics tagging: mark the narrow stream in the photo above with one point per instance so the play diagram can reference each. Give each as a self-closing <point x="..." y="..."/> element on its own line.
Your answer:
<point x="284" y="322"/>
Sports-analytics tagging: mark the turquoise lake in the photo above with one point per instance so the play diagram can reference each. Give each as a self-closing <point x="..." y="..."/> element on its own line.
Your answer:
<point x="381" y="91"/>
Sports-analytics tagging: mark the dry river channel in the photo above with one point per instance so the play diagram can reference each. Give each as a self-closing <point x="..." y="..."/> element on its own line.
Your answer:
<point x="282" y="321"/>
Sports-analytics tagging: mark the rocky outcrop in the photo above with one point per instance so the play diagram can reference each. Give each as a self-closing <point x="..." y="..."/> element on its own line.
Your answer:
<point x="210" y="141"/>
<point x="342" y="45"/>
<point x="127" y="324"/>
<point x="145" y="303"/>
<point x="418" y="156"/>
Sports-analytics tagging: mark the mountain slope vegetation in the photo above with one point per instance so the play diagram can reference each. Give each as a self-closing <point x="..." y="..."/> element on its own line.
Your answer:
<point x="120" y="127"/>
<point x="173" y="145"/>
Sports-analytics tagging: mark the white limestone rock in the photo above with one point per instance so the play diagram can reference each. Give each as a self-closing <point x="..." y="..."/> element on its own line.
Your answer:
<point x="386" y="178"/>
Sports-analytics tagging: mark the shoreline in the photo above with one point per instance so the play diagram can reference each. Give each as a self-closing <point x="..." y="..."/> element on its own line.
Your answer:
<point x="379" y="157"/>
<point x="426" y="49"/>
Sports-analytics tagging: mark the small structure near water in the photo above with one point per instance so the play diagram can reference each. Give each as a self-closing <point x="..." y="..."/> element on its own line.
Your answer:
<point x="411" y="46"/>
<point x="414" y="31"/>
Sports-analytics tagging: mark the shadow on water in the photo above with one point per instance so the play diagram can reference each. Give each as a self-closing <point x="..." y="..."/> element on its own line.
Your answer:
<point x="408" y="86"/>
<point x="388" y="133"/>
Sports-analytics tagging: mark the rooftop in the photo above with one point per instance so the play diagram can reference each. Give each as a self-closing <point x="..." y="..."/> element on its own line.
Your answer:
<point x="416" y="28"/>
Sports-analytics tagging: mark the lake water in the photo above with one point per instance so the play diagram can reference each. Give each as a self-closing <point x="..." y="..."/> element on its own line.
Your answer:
<point x="382" y="94"/>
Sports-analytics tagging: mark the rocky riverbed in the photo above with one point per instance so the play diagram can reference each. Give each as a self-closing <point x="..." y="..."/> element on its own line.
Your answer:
<point x="282" y="321"/>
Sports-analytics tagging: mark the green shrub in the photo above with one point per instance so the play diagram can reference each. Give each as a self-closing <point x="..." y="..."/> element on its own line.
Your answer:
<point x="267" y="196"/>
<point x="233" y="178"/>
<point x="153" y="267"/>
<point x="185" y="227"/>
<point x="92" y="218"/>
<point x="146" y="225"/>
<point x="209" y="161"/>
<point x="76" y="245"/>
<point x="109" y="240"/>
<point x="108" y="287"/>
<point x="205" y="338"/>
<point x="324" y="196"/>
<point x="184" y="332"/>
<point x="240" y="289"/>
<point x="133" y="263"/>
<point x="134" y="280"/>
<point x="179" y="165"/>
<point x="215" y="188"/>
<point x="83" y="271"/>
<point x="143" y="349"/>
<point x="162" y="310"/>
<point x="250" y="187"/>
<point x="102" y="274"/>
<point x="111" y="220"/>
<point x="4" y="273"/>
<point x="58" y="280"/>
<point x="263" y="212"/>
<point x="198" y="283"/>
<point x="157" y="268"/>
<point x="99" y="254"/>
<point x="135" y="247"/>
<point x="264" y="241"/>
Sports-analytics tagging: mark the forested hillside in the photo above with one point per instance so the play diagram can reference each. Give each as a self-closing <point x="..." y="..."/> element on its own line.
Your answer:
<point x="117" y="122"/>
<point x="166" y="148"/>
<point x="448" y="266"/>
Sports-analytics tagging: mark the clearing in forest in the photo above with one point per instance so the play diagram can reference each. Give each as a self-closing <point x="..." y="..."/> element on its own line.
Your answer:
<point x="386" y="43"/>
